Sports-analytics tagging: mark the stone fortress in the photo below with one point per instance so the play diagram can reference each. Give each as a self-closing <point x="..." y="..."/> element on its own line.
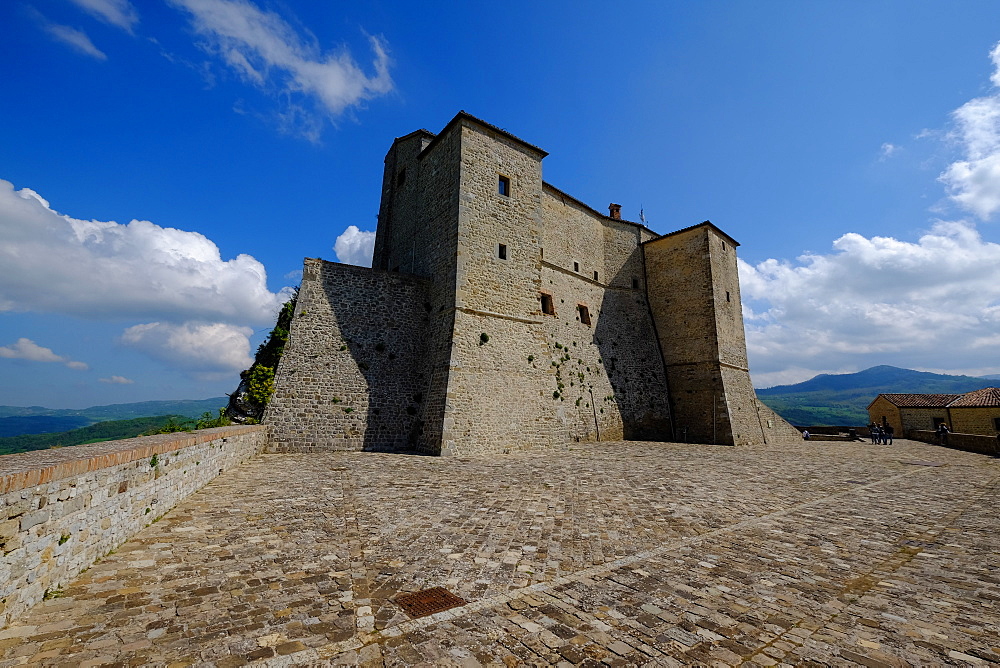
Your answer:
<point x="502" y="314"/>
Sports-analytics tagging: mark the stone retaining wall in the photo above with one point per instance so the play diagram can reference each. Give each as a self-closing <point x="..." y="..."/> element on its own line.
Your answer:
<point x="63" y="509"/>
<point x="987" y="445"/>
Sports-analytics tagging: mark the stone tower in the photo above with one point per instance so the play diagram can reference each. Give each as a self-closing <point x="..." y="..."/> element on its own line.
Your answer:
<point x="501" y="313"/>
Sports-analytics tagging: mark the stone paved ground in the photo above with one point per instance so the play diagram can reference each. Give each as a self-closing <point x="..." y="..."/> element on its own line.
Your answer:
<point x="621" y="554"/>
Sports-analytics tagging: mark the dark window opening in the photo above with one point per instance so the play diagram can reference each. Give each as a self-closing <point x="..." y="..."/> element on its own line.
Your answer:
<point x="401" y="177"/>
<point x="504" y="187"/>
<point x="938" y="421"/>
<point x="502" y="251"/>
<point x="727" y="295"/>
<point x="541" y="252"/>
<point x="996" y="424"/>
<point x="584" y="314"/>
<point x="576" y="266"/>
<point x="723" y="245"/>
<point x="595" y="276"/>
<point x="548" y="306"/>
<point x="635" y="283"/>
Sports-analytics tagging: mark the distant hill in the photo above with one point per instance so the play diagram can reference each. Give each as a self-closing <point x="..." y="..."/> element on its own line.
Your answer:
<point x="18" y="420"/>
<point x="842" y="399"/>
<point x="102" y="431"/>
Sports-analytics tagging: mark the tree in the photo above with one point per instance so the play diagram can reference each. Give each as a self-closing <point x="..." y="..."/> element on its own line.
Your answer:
<point x="247" y="403"/>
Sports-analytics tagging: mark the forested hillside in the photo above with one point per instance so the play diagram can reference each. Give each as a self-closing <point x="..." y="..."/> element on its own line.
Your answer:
<point x="102" y="431"/>
<point x="842" y="399"/>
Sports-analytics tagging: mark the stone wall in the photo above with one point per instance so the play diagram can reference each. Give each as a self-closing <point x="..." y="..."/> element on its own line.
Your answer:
<point x="975" y="419"/>
<point x="63" y="509"/>
<point x="920" y="418"/>
<point x="987" y="445"/>
<point x="351" y="376"/>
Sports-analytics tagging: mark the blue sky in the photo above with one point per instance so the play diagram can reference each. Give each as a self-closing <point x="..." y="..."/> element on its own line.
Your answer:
<point x="166" y="165"/>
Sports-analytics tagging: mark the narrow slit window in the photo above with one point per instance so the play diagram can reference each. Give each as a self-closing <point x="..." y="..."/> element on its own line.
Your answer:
<point x="502" y="252"/>
<point x="727" y="295"/>
<point x="584" y="314"/>
<point x="595" y="276"/>
<point x="401" y="177"/>
<point x="635" y="283"/>
<point x="504" y="186"/>
<point x="576" y="266"/>
<point x="548" y="307"/>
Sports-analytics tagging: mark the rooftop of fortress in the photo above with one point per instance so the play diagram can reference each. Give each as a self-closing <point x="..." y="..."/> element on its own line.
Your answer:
<point x="670" y="555"/>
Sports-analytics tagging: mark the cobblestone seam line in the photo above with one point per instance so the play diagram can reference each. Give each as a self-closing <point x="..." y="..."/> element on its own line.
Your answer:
<point x="364" y="639"/>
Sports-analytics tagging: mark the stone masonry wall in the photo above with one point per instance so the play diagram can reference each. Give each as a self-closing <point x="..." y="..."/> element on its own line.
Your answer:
<point x="351" y="376"/>
<point x="622" y="392"/>
<point x="493" y="393"/>
<point x="439" y="167"/>
<point x="975" y="420"/>
<point x="920" y="418"/>
<point x="680" y="291"/>
<point x="63" y="509"/>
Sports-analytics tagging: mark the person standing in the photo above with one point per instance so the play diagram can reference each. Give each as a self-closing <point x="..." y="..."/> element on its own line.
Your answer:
<point x="889" y="430"/>
<point x="872" y="430"/>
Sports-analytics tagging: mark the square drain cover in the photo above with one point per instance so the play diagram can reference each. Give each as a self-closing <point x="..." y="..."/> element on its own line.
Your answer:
<point x="428" y="602"/>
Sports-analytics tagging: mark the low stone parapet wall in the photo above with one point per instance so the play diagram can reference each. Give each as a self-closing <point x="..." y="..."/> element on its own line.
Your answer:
<point x="987" y="445"/>
<point x="62" y="509"/>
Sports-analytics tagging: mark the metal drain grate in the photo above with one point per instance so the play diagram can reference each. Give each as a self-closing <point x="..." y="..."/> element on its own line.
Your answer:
<point x="428" y="602"/>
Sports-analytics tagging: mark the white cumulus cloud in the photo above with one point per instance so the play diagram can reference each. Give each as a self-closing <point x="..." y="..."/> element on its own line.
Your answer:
<point x="974" y="182"/>
<point x="263" y="49"/>
<point x="118" y="13"/>
<point x="98" y="270"/>
<point x="355" y="247"/>
<point x="26" y="349"/>
<point x="206" y="349"/>
<point x="933" y="303"/>
<point x="117" y="380"/>
<point x="104" y="270"/>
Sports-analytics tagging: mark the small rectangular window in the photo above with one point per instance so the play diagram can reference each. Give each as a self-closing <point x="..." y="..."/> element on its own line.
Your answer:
<point x="541" y="252"/>
<point x="727" y="295"/>
<point x="401" y="177"/>
<point x="502" y="251"/>
<point x="584" y="314"/>
<point x="576" y="266"/>
<point x="504" y="186"/>
<point x="595" y="276"/>
<point x="548" y="307"/>
<point x="635" y="283"/>
<point x="996" y="424"/>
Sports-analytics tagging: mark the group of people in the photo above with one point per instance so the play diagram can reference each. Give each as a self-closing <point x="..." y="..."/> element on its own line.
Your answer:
<point x="881" y="434"/>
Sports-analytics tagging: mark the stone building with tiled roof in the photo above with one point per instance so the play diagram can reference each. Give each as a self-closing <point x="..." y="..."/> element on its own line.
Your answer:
<point x="976" y="412"/>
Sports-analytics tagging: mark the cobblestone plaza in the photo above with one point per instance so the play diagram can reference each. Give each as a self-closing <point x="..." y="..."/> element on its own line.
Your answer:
<point x="819" y="553"/>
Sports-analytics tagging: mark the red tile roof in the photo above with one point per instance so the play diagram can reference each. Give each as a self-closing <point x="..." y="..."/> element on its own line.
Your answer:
<point x="984" y="398"/>
<point x="920" y="400"/>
